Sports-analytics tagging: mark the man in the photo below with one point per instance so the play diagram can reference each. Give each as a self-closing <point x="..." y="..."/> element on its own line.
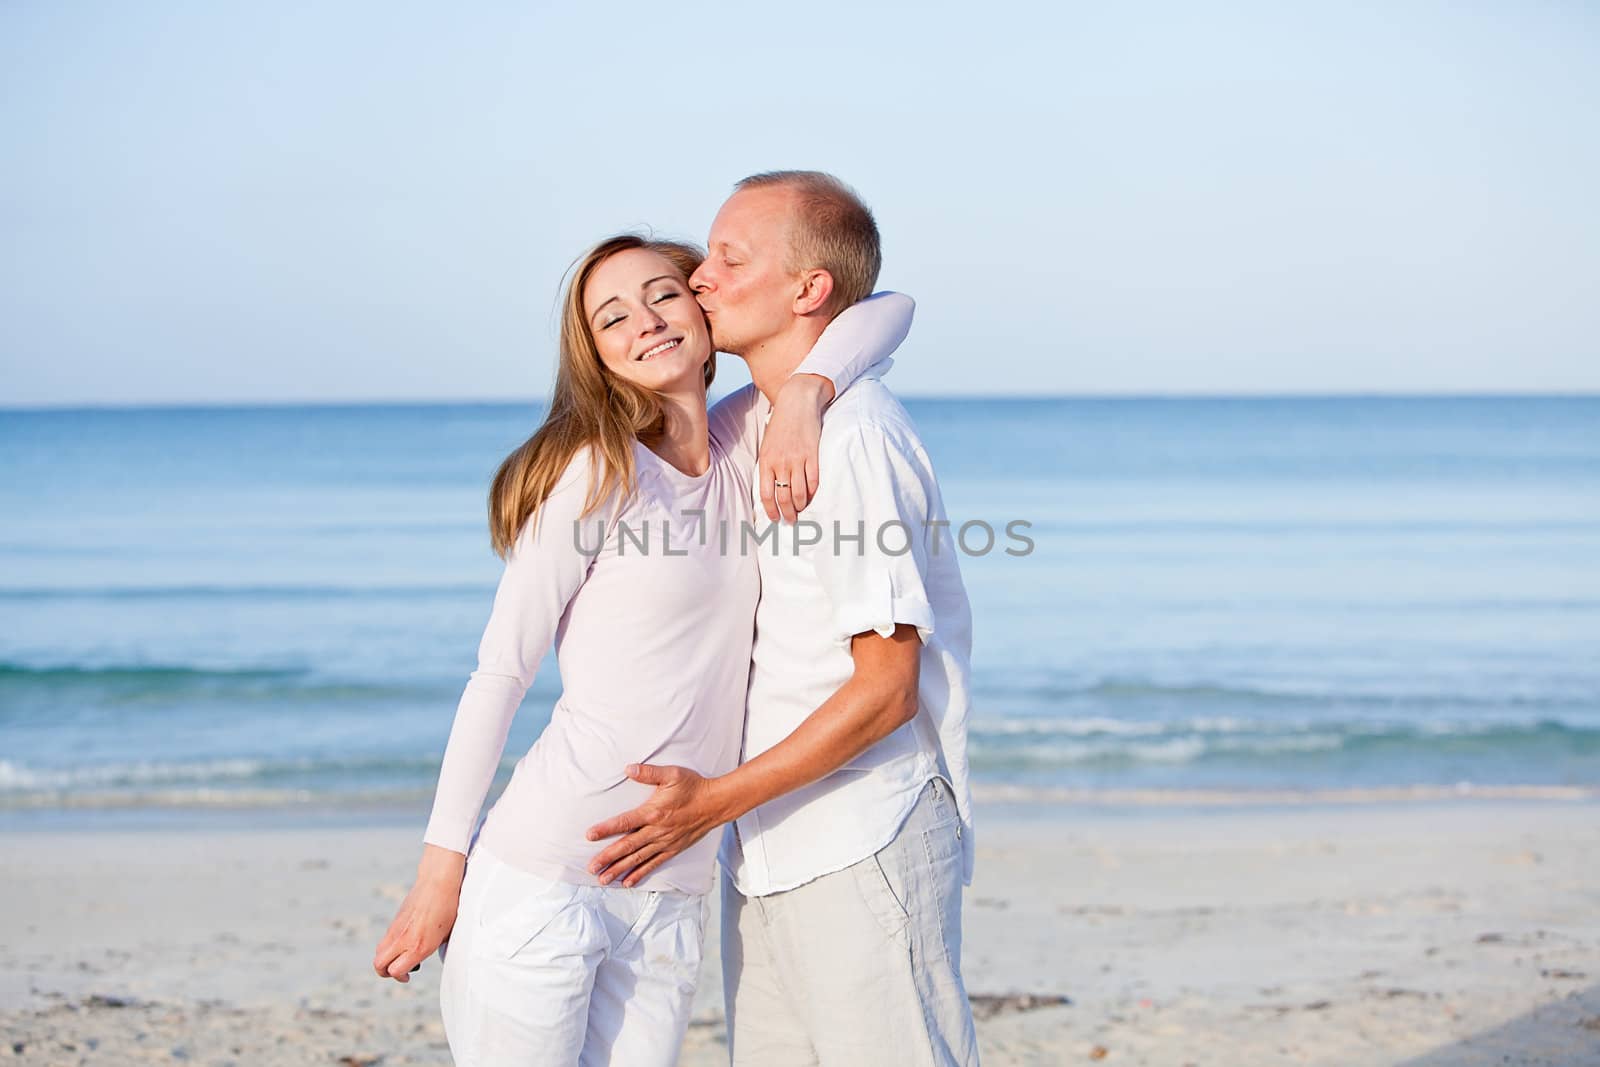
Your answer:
<point x="851" y="833"/>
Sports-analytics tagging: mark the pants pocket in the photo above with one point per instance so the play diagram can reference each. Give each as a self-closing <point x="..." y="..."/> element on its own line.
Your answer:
<point x="940" y="885"/>
<point x="515" y="907"/>
<point x="876" y="879"/>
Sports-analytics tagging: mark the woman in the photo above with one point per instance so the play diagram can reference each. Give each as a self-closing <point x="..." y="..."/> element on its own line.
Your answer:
<point x="621" y="522"/>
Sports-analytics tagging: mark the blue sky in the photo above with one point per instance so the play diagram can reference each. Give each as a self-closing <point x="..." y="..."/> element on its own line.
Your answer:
<point x="292" y="201"/>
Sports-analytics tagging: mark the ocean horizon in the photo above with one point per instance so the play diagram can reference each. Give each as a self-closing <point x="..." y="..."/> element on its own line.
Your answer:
<point x="241" y="404"/>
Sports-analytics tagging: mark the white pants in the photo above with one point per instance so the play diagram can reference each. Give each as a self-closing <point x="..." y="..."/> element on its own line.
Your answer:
<point x="544" y="972"/>
<point x="859" y="967"/>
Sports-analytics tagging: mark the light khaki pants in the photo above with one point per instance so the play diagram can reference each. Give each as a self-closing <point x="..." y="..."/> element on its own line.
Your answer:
<point x="859" y="967"/>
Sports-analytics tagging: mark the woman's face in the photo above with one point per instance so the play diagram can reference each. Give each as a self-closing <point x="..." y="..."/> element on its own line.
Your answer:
<point x="645" y="322"/>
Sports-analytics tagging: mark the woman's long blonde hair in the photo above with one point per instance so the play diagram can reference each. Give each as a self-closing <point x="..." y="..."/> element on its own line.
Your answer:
<point x="589" y="406"/>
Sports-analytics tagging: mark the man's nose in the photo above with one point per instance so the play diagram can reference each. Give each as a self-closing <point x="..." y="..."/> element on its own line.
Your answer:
<point x="700" y="280"/>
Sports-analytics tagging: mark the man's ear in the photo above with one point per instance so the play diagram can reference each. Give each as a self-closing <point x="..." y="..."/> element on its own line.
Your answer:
<point x="816" y="288"/>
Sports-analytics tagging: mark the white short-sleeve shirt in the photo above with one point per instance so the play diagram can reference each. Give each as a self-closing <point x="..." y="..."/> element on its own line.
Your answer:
<point x="877" y="552"/>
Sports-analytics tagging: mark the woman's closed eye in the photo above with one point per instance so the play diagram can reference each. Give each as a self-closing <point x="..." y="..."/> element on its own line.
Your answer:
<point x="661" y="299"/>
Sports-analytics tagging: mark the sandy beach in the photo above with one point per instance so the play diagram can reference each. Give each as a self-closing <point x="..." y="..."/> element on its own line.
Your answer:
<point x="1448" y="933"/>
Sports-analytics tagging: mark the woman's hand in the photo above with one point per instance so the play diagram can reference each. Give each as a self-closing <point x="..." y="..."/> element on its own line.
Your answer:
<point x="426" y="915"/>
<point x="789" y="446"/>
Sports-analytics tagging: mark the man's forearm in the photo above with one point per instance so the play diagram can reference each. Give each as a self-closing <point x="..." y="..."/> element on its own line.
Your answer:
<point x="848" y="723"/>
<point x="820" y="386"/>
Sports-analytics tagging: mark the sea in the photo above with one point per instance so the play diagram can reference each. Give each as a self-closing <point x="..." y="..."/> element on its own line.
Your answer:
<point x="1186" y="600"/>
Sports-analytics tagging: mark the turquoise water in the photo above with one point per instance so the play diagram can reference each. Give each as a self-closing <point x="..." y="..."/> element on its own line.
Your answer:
<point x="205" y="607"/>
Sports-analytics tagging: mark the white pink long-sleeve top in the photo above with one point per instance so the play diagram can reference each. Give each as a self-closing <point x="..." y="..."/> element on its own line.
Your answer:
<point x="651" y="608"/>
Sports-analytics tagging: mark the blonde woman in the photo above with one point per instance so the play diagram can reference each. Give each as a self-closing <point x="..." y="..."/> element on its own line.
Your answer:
<point x="622" y="523"/>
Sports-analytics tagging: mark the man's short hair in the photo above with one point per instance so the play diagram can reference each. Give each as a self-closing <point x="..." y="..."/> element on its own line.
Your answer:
<point x="834" y="231"/>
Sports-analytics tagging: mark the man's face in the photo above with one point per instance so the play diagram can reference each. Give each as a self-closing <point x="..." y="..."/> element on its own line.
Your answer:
<point x="744" y="285"/>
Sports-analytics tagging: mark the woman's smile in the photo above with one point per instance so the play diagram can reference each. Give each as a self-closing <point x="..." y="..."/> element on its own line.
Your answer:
<point x="664" y="346"/>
